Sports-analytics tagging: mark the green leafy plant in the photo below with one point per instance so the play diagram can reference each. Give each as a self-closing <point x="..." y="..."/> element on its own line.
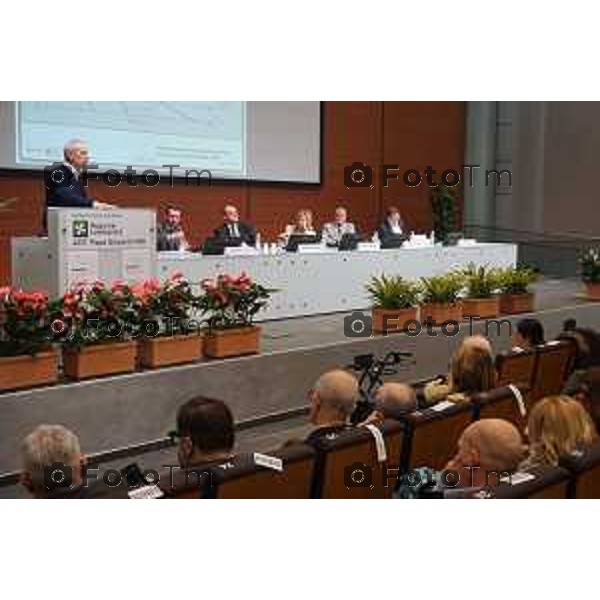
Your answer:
<point x="232" y="301"/>
<point x="590" y="265"/>
<point x="24" y="322"/>
<point x="444" y="200"/>
<point x="393" y="293"/>
<point x="442" y="289"/>
<point x="516" y="280"/>
<point x="481" y="282"/>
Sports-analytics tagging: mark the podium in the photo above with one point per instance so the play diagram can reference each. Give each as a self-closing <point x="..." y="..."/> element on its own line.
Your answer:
<point x="85" y="245"/>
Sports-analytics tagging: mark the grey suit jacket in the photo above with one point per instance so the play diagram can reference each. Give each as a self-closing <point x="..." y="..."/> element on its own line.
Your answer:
<point x="332" y="232"/>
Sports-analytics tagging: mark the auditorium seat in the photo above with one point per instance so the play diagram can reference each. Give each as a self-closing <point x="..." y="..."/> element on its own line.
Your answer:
<point x="536" y="483"/>
<point x="337" y="453"/>
<point x="517" y="367"/>
<point x="584" y="466"/>
<point x="554" y="362"/>
<point x="431" y="434"/>
<point x="241" y="477"/>
<point x="502" y="403"/>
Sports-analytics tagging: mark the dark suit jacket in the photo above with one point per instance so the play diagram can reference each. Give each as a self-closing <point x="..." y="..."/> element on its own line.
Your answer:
<point x="385" y="230"/>
<point x="246" y="231"/>
<point x="64" y="190"/>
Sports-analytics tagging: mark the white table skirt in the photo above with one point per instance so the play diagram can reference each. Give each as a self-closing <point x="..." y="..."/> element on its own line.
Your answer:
<point x="332" y="281"/>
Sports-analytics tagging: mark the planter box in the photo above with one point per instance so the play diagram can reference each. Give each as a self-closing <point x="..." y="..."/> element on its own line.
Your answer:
<point x="511" y="304"/>
<point x="169" y="350"/>
<point x="393" y="319"/>
<point x="441" y="312"/>
<point x="593" y="291"/>
<point x="104" y="359"/>
<point x="485" y="308"/>
<point x="18" y="372"/>
<point x="232" y="342"/>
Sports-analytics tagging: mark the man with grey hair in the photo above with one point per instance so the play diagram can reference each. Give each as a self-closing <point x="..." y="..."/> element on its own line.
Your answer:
<point x="54" y="467"/>
<point x="63" y="187"/>
<point x="332" y="400"/>
<point x="392" y="401"/>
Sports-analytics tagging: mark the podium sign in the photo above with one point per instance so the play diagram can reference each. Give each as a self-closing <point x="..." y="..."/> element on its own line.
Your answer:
<point x="86" y="245"/>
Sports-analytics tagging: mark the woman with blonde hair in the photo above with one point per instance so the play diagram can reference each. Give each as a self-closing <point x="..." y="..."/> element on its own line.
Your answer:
<point x="557" y="425"/>
<point x="303" y="225"/>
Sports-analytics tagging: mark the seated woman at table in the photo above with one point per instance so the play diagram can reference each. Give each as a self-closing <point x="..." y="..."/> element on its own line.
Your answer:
<point x="303" y="225"/>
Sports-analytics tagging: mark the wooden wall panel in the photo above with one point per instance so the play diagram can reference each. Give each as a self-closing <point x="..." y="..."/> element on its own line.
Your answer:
<point x="414" y="134"/>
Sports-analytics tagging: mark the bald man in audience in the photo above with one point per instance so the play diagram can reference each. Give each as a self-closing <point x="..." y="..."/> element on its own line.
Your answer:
<point x="332" y="400"/>
<point x="392" y="401"/>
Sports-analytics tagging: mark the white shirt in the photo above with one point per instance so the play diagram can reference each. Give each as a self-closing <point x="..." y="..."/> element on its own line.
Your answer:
<point x="395" y="227"/>
<point x="72" y="168"/>
<point x="233" y="230"/>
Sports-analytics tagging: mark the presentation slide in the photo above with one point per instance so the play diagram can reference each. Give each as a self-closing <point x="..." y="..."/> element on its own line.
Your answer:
<point x="198" y="135"/>
<point x="256" y="141"/>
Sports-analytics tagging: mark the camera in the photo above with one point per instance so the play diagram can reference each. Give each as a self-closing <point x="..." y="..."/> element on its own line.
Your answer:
<point x="58" y="475"/>
<point x="54" y="177"/>
<point x="358" y="175"/>
<point x="358" y="325"/>
<point x="358" y="475"/>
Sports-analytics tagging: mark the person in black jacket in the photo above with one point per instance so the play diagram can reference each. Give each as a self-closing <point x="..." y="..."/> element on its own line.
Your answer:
<point x="392" y="227"/>
<point x="234" y="229"/>
<point x="63" y="186"/>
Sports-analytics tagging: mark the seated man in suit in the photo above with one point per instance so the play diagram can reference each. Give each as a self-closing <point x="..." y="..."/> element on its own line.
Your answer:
<point x="206" y="437"/>
<point x="234" y="229"/>
<point x="392" y="226"/>
<point x="170" y="236"/>
<point x="333" y="232"/>
<point x="63" y="188"/>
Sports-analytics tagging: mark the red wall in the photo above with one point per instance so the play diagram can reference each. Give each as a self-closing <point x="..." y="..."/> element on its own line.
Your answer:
<point x="411" y="134"/>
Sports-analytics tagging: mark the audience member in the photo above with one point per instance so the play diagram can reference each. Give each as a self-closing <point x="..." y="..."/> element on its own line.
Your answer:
<point x="472" y="371"/>
<point x="557" y="425"/>
<point x="54" y="467"/>
<point x="488" y="450"/>
<point x="332" y="400"/>
<point x="205" y="430"/>
<point x="392" y="401"/>
<point x="529" y="334"/>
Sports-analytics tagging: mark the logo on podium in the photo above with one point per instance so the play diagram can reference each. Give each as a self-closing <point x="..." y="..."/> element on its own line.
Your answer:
<point x="81" y="228"/>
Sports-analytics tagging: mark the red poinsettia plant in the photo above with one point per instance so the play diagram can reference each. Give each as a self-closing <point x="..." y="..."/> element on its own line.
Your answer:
<point x="24" y="322"/>
<point x="232" y="301"/>
<point x="163" y="308"/>
<point x="87" y="315"/>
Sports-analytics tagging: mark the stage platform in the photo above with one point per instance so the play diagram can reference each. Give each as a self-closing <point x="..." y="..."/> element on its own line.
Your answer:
<point x="130" y="409"/>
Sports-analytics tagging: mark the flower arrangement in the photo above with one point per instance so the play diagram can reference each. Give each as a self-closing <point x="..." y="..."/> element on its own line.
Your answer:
<point x="590" y="265"/>
<point x="162" y="308"/>
<point x="231" y="301"/>
<point x="24" y="322"/>
<point x="92" y="315"/>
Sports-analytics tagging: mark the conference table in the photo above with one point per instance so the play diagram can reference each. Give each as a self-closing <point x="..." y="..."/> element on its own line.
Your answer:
<point x="329" y="280"/>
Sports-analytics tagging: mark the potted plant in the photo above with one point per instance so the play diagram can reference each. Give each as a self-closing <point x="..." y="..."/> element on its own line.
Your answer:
<point x="166" y="335"/>
<point x="395" y="302"/>
<point x="232" y="303"/>
<point x="443" y="205"/>
<point x="97" y="330"/>
<point x="590" y="272"/>
<point x="440" y="297"/>
<point x="481" y="284"/>
<point x="27" y="357"/>
<point x="515" y="293"/>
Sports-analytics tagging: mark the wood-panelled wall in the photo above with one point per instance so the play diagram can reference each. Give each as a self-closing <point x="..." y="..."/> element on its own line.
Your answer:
<point x="411" y="134"/>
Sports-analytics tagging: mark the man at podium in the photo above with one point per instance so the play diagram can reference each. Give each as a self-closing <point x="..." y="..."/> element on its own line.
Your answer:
<point x="63" y="188"/>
